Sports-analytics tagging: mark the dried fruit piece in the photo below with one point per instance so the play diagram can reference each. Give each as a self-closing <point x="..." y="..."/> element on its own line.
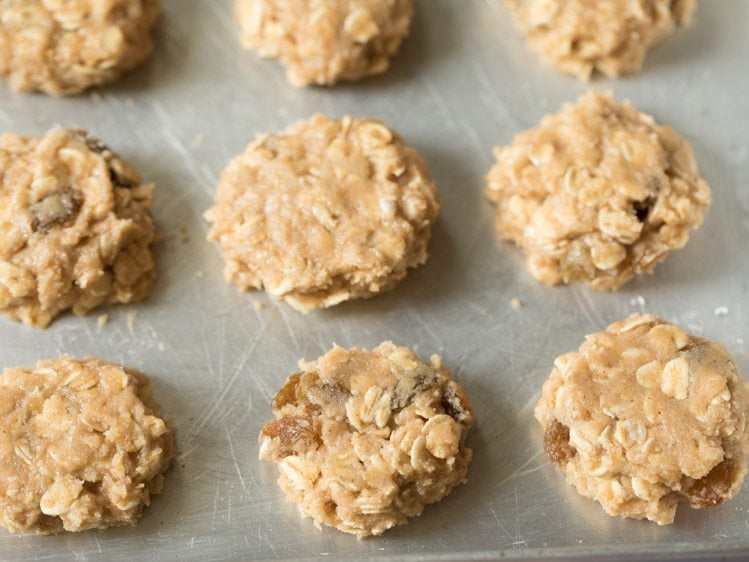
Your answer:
<point x="719" y="485"/>
<point x="557" y="444"/>
<point x="59" y="208"/>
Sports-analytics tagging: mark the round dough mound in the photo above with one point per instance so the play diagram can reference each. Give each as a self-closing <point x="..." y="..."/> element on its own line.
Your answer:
<point x="325" y="212"/>
<point x="82" y="446"/>
<point x="364" y="440"/>
<point x="324" y="41"/>
<point x="65" y="46"/>
<point x="74" y="227"/>
<point x="643" y="416"/>
<point x="597" y="193"/>
<point x="581" y="37"/>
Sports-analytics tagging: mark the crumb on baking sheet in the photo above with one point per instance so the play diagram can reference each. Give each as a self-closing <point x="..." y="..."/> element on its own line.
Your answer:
<point x="132" y="318"/>
<point x="102" y="320"/>
<point x="198" y="141"/>
<point x="517" y="304"/>
<point x="721" y="311"/>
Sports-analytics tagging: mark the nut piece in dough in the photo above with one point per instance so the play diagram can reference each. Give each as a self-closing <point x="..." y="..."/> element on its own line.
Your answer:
<point x="597" y="192"/>
<point x="63" y="47"/>
<point x="82" y="446"/>
<point x="325" y="41"/>
<point x="75" y="231"/>
<point x="324" y="212"/>
<point x="643" y="416"/>
<point x="582" y="37"/>
<point x="365" y="439"/>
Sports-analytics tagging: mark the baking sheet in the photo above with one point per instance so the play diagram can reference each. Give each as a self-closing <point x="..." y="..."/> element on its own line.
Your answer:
<point x="463" y="83"/>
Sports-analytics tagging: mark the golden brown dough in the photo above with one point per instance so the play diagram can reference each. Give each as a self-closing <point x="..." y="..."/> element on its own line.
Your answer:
<point x="75" y="231"/>
<point x="82" y="446"/>
<point x="643" y="416"/>
<point x="582" y="37"/>
<point x="597" y="192"/>
<point x="325" y="41"/>
<point x="365" y="439"/>
<point x="326" y="211"/>
<point x="63" y="47"/>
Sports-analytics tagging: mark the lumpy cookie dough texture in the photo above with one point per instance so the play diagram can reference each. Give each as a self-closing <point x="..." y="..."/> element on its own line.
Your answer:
<point x="324" y="212"/>
<point x="325" y="41"/>
<point x="66" y="46"/>
<point x="597" y="192"/>
<point x="82" y="446"/>
<point x="75" y="231"/>
<point x="612" y="37"/>
<point x="643" y="416"/>
<point x="365" y="439"/>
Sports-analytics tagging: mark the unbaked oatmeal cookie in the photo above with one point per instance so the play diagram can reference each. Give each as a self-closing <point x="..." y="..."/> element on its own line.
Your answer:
<point x="75" y="231"/>
<point x="597" y="192"/>
<point x="643" y="416"/>
<point x="324" y="212"/>
<point x="82" y="446"/>
<point x="365" y="439"/>
<point x="325" y="41"/>
<point x="66" y="46"/>
<point x="612" y="37"/>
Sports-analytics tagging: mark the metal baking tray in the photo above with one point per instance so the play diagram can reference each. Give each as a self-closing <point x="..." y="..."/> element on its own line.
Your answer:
<point x="464" y="82"/>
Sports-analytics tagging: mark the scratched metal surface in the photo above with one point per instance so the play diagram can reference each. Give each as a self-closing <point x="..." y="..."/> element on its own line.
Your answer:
<point x="463" y="83"/>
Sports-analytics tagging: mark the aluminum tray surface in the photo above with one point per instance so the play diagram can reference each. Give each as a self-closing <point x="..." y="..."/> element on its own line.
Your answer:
<point x="463" y="83"/>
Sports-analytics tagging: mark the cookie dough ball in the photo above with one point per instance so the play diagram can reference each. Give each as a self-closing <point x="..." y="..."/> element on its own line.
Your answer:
<point x="325" y="41"/>
<point x="63" y="47"/>
<point x="75" y="231"/>
<point x="597" y="193"/>
<point x="644" y="416"/>
<point x="82" y="446"/>
<point x="582" y="37"/>
<point x="324" y="212"/>
<point x="365" y="439"/>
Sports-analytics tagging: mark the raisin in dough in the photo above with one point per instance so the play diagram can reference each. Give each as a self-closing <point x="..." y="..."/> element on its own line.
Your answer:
<point x="75" y="231"/>
<point x="324" y="212"/>
<point x="82" y="446"/>
<point x="597" y="192"/>
<point x="325" y="41"/>
<point x="582" y="37"/>
<point x="365" y="439"/>
<point x="63" y="47"/>
<point x="644" y="416"/>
